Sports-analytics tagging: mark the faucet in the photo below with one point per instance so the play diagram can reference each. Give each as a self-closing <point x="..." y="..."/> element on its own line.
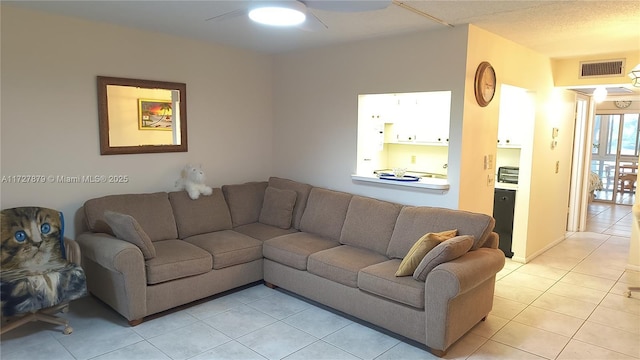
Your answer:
<point x="445" y="166"/>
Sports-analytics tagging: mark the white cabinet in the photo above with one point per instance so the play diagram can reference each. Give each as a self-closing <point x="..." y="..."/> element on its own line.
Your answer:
<point x="432" y="123"/>
<point x="382" y="108"/>
<point x="412" y="118"/>
<point x="513" y="109"/>
<point x="509" y="132"/>
<point x="407" y="114"/>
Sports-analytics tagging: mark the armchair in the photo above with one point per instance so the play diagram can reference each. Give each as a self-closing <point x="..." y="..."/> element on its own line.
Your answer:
<point x="37" y="278"/>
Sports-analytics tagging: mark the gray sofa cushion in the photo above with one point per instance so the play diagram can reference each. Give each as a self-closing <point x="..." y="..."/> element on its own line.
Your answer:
<point x="152" y="211"/>
<point x="446" y="251"/>
<point x="325" y="213"/>
<point x="126" y="228"/>
<point x="262" y="231"/>
<point x="205" y="214"/>
<point x="413" y="222"/>
<point x="277" y="207"/>
<point x="176" y="259"/>
<point x="245" y="201"/>
<point x="294" y="249"/>
<point x="228" y="247"/>
<point x="369" y="223"/>
<point x="342" y="264"/>
<point x="380" y="279"/>
<point x="302" y="190"/>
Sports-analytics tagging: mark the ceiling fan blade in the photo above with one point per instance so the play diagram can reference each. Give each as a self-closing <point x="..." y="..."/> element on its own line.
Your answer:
<point x="229" y="15"/>
<point x="347" y="5"/>
<point x="312" y="23"/>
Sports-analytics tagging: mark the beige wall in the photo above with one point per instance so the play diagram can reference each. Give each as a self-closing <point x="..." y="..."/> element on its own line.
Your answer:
<point x="543" y="194"/>
<point x="49" y="108"/>
<point x="316" y="114"/>
<point x="566" y="71"/>
<point x="251" y="115"/>
<point x="316" y="106"/>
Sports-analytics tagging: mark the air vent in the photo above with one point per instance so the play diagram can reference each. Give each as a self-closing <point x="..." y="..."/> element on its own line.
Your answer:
<point x="591" y="69"/>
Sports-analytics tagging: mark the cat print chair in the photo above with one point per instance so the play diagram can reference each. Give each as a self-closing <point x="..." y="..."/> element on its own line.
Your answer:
<point x="37" y="280"/>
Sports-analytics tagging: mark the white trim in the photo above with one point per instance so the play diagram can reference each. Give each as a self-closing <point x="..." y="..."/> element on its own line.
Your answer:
<point x="581" y="167"/>
<point x="632" y="267"/>
<point x="539" y="252"/>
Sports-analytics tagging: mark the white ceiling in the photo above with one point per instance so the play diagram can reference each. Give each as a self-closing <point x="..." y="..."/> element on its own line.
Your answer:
<point x="557" y="29"/>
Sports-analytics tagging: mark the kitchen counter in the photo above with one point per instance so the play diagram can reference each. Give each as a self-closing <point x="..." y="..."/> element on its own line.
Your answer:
<point x="425" y="183"/>
<point x="506" y="186"/>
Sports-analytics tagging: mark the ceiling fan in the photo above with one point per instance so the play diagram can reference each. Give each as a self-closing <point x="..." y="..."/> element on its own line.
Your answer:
<point x="269" y="12"/>
<point x="299" y="11"/>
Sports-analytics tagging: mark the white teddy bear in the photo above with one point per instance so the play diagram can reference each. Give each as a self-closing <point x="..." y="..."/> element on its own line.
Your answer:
<point x="192" y="180"/>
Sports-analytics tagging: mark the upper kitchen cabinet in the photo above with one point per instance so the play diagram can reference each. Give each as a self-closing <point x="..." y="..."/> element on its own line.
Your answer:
<point x="513" y="104"/>
<point x="380" y="108"/>
<point x="434" y="113"/>
<point x="509" y="133"/>
<point x="420" y="118"/>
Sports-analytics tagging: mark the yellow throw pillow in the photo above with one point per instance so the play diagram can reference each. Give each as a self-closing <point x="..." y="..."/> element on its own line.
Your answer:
<point x="425" y="244"/>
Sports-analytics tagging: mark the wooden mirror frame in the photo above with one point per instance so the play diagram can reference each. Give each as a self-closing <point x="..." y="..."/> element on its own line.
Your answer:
<point x="103" y="116"/>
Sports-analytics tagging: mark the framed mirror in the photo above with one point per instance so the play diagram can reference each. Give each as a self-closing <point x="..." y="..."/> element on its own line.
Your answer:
<point x="141" y="116"/>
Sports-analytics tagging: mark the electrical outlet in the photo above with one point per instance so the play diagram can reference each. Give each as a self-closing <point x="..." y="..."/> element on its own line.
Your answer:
<point x="490" y="179"/>
<point x="413" y="159"/>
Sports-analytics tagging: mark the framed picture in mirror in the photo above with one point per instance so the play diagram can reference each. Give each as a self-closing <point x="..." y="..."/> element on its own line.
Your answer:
<point x="129" y="108"/>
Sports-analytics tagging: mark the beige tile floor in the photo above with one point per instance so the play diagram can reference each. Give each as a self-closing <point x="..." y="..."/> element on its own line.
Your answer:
<point x="566" y="304"/>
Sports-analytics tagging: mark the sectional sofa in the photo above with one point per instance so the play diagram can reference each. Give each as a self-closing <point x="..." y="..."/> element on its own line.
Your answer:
<point x="146" y="253"/>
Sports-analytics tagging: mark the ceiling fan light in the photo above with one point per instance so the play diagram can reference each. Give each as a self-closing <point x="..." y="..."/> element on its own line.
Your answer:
<point x="599" y="94"/>
<point x="277" y="15"/>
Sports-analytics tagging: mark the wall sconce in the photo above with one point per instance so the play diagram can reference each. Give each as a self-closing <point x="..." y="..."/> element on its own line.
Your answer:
<point x="635" y="76"/>
<point x="554" y="137"/>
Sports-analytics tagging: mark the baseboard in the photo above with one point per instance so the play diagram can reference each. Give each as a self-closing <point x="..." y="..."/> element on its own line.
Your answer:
<point x="537" y="253"/>
<point x="632" y="267"/>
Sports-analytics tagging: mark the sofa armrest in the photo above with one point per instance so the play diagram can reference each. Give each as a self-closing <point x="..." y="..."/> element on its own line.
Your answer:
<point x="72" y="251"/>
<point x="458" y="276"/>
<point x="110" y="252"/>
<point x="492" y="241"/>
<point x="458" y="294"/>
<point x="115" y="272"/>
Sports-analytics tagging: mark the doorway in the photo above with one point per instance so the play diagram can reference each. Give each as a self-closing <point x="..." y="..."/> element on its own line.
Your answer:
<point x="614" y="156"/>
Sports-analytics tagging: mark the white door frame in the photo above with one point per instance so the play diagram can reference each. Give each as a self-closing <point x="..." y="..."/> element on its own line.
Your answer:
<point x="581" y="164"/>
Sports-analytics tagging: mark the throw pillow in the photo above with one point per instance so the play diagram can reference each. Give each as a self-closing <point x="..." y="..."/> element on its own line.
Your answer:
<point x="277" y="207"/>
<point x="425" y="244"/>
<point x="448" y="250"/>
<point x="126" y="228"/>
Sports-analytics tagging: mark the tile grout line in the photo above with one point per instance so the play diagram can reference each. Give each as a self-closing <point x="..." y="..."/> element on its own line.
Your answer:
<point x="584" y="321"/>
